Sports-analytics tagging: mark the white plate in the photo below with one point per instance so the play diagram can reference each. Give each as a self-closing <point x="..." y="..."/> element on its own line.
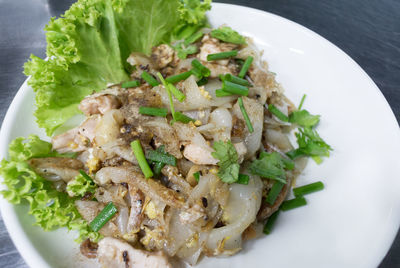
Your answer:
<point x="351" y="223"/>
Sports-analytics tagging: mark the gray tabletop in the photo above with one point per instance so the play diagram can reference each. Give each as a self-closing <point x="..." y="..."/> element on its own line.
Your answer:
<point x="367" y="30"/>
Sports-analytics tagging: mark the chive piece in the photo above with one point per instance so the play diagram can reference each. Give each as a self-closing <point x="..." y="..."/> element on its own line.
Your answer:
<point x="103" y="217"/>
<point x="204" y="71"/>
<point x="222" y="93"/>
<point x="193" y="38"/>
<point x="243" y="179"/>
<point x="245" y="115"/>
<point x="85" y="175"/>
<point x="235" y="88"/>
<point x="128" y="84"/>
<point x="196" y="175"/>
<point x="165" y="158"/>
<point x="171" y="102"/>
<point x="270" y="222"/>
<point x="293" y="203"/>
<point x="308" y="189"/>
<point x="179" y="77"/>
<point x="157" y="168"/>
<point x="274" y="192"/>
<point x="275" y="111"/>
<point x="302" y="101"/>
<point x="202" y="81"/>
<point x="234" y="79"/>
<point x="154" y="111"/>
<point x="180" y="117"/>
<point x="177" y="93"/>
<point x="222" y="55"/>
<point x="149" y="79"/>
<point x="246" y="66"/>
<point x="138" y="152"/>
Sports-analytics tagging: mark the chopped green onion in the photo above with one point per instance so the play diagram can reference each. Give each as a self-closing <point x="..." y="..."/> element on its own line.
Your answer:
<point x="222" y="93"/>
<point x="128" y="84"/>
<point x="177" y="93"/>
<point x="171" y="102"/>
<point x="103" y="217"/>
<point x="84" y="174"/>
<point x="204" y="71"/>
<point x="275" y="111"/>
<point x="202" y="81"/>
<point x="243" y="179"/>
<point x="154" y="111"/>
<point x="222" y="55"/>
<point x="193" y="38"/>
<point x="308" y="189"/>
<point x="274" y="192"/>
<point x="179" y="77"/>
<point x="245" y="115"/>
<point x="235" y="88"/>
<point x="157" y="168"/>
<point x="196" y="175"/>
<point x="246" y="66"/>
<point x="302" y="101"/>
<point x="149" y="79"/>
<point x="234" y="79"/>
<point x="293" y="203"/>
<point x="270" y="222"/>
<point x="165" y="158"/>
<point x="180" y="117"/>
<point x="138" y="152"/>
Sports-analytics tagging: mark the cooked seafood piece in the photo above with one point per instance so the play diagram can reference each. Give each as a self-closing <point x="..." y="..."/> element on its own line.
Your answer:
<point x="115" y="253"/>
<point x="56" y="168"/>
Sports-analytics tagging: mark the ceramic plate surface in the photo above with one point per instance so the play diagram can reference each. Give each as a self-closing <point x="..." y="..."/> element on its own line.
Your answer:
<point x="352" y="223"/>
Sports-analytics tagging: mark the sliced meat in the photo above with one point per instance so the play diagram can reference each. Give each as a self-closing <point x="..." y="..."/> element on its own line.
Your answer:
<point x="77" y="139"/>
<point x="162" y="55"/>
<point x="115" y="253"/>
<point x="56" y="168"/>
<point x="99" y="104"/>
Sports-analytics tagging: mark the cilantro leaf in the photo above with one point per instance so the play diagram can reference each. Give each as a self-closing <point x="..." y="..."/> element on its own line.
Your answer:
<point x="303" y="118"/>
<point x="183" y="51"/>
<point x="269" y="165"/>
<point x="227" y="34"/>
<point x="228" y="158"/>
<point x="310" y="144"/>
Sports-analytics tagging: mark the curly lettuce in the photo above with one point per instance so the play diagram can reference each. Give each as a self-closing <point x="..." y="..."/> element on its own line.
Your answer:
<point x="88" y="46"/>
<point x="50" y="208"/>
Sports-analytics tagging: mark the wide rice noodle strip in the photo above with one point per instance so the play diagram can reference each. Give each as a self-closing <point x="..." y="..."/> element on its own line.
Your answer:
<point x="240" y="211"/>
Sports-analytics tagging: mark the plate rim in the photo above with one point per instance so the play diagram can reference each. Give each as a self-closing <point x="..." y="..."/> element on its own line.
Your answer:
<point x="31" y="255"/>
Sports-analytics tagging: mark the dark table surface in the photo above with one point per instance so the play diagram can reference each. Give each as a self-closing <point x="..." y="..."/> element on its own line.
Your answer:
<point x="367" y="30"/>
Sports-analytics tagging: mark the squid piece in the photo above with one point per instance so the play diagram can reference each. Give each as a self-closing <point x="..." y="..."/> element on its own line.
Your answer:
<point x="56" y="168"/>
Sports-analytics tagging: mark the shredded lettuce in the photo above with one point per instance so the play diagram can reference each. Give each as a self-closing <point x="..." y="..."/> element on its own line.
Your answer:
<point x="50" y="208"/>
<point x="88" y="46"/>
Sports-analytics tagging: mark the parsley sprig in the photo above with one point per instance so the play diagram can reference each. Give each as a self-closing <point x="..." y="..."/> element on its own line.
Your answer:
<point x="270" y="166"/>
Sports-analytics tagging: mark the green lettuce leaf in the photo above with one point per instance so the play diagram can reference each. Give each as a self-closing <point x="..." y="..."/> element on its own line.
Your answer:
<point x="88" y="46"/>
<point x="227" y="34"/>
<point x="50" y="208"/>
<point x="81" y="185"/>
